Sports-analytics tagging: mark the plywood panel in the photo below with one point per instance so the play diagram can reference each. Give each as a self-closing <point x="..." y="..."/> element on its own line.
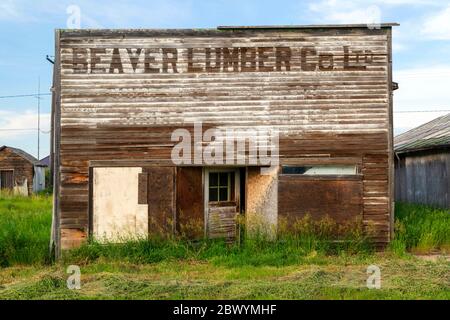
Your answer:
<point x="262" y="201"/>
<point x="117" y="216"/>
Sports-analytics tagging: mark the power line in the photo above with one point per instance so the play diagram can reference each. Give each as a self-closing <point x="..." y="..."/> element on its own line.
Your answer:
<point x="25" y="95"/>
<point x="25" y="129"/>
<point x="413" y="111"/>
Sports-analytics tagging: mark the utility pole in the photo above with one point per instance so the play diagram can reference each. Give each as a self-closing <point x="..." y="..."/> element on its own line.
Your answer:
<point x="39" y="116"/>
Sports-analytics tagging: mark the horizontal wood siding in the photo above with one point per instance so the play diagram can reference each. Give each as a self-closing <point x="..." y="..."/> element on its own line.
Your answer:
<point x="23" y="169"/>
<point x="129" y="114"/>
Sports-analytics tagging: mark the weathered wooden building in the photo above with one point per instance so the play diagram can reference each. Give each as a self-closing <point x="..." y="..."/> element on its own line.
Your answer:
<point x="20" y="171"/>
<point x="422" y="164"/>
<point x="304" y="115"/>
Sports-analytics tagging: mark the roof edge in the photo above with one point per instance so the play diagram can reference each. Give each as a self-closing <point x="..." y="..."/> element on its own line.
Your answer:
<point x="261" y="27"/>
<point x="422" y="149"/>
<point x="23" y="154"/>
<point x="313" y="26"/>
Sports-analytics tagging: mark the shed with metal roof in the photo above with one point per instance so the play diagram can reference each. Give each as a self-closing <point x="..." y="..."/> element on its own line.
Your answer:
<point x="422" y="164"/>
<point x="20" y="171"/>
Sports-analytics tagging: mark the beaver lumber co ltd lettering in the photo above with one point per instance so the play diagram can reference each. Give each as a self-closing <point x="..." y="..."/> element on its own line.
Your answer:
<point x="214" y="60"/>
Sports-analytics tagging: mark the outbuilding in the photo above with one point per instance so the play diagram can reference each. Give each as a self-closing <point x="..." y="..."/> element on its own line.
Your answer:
<point x="20" y="172"/>
<point x="186" y="130"/>
<point x="422" y="164"/>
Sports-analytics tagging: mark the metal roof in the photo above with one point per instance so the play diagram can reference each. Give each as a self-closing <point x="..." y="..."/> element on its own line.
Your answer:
<point x="45" y="161"/>
<point x="434" y="134"/>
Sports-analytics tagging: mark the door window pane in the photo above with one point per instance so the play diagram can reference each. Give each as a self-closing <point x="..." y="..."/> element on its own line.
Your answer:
<point x="213" y="194"/>
<point x="213" y="179"/>
<point x="224" y="179"/>
<point x="220" y="186"/>
<point x="223" y="194"/>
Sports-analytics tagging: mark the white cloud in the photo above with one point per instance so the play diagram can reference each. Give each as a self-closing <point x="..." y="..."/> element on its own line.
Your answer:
<point x="421" y="89"/>
<point x="360" y="11"/>
<point x="9" y="10"/>
<point x="14" y="124"/>
<point x="400" y="40"/>
<point x="101" y="13"/>
<point x="341" y="11"/>
<point x="437" y="26"/>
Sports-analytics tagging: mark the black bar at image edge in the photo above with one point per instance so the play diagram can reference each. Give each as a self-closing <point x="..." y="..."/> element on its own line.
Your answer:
<point x="225" y="309"/>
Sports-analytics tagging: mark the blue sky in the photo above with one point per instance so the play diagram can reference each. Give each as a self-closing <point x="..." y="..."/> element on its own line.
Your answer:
<point x="421" y="46"/>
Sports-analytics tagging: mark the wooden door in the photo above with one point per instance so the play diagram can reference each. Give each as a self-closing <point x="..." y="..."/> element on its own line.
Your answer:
<point x="161" y="200"/>
<point x="6" y="179"/>
<point x="221" y="203"/>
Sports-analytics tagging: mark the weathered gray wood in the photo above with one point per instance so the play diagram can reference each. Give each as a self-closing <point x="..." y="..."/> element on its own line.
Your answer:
<point x="423" y="178"/>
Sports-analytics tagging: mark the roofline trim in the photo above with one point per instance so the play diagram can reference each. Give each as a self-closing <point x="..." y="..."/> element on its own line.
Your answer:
<point x="21" y="153"/>
<point x="435" y="147"/>
<point x="261" y="27"/>
<point x="311" y="26"/>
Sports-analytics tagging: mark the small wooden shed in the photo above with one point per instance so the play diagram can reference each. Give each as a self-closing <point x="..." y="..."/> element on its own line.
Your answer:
<point x="20" y="171"/>
<point x="422" y="164"/>
<point x="123" y="98"/>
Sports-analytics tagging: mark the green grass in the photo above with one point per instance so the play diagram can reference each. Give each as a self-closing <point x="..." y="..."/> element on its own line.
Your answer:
<point x="24" y="229"/>
<point x="421" y="229"/>
<point x="288" y="249"/>
<point x="341" y="277"/>
<point x="300" y="265"/>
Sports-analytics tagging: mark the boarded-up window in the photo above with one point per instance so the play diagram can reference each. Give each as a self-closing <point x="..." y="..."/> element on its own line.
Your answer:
<point x="338" y="198"/>
<point x="6" y="179"/>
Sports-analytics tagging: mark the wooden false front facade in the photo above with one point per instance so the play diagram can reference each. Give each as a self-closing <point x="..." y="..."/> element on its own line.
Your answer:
<point x="120" y="94"/>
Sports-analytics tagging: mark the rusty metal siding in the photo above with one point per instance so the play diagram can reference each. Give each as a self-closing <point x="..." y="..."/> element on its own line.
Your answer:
<point x="126" y="113"/>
